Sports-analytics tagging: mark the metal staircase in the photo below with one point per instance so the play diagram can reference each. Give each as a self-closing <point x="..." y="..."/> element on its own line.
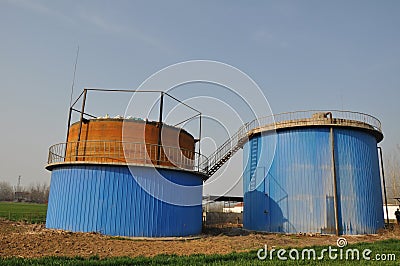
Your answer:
<point x="253" y="163"/>
<point x="224" y="152"/>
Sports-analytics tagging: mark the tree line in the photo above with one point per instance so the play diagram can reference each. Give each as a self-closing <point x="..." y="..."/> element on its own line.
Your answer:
<point x="392" y="175"/>
<point x="38" y="193"/>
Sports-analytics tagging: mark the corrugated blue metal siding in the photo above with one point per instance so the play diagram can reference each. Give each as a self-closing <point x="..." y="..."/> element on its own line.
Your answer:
<point x="107" y="199"/>
<point x="359" y="185"/>
<point x="296" y="195"/>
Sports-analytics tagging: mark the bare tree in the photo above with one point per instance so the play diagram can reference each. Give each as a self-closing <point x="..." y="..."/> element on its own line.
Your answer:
<point x="392" y="176"/>
<point x="6" y="191"/>
<point x="39" y="193"/>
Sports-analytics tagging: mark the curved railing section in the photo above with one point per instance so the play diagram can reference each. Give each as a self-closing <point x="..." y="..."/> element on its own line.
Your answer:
<point x="336" y="116"/>
<point x="119" y="152"/>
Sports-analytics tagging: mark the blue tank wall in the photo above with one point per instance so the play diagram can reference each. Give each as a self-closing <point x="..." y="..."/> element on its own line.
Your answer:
<point x="296" y="193"/>
<point x="107" y="199"/>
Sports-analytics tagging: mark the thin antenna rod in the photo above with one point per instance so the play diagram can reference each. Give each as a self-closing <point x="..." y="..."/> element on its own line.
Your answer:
<point x="19" y="183"/>
<point x="73" y="79"/>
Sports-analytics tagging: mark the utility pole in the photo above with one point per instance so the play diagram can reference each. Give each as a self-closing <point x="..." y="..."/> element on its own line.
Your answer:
<point x="19" y="183"/>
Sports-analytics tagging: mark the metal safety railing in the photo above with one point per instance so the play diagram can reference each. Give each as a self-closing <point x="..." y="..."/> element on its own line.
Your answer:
<point x="125" y="152"/>
<point x="336" y="115"/>
<point x="224" y="152"/>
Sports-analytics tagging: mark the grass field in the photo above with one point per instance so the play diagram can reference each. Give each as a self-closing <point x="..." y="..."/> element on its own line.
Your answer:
<point x="19" y="211"/>
<point x="248" y="258"/>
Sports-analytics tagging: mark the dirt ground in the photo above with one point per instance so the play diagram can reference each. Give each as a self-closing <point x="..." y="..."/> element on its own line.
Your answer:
<point x="32" y="240"/>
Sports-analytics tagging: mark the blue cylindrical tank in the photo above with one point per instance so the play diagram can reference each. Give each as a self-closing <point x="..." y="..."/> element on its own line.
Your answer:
<point x="109" y="200"/>
<point x="138" y="187"/>
<point x="295" y="190"/>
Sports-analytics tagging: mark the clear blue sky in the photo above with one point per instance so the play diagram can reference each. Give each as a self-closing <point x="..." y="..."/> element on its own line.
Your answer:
<point x="303" y="54"/>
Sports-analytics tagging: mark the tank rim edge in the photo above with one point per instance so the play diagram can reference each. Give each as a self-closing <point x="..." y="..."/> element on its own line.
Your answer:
<point x="256" y="131"/>
<point x="52" y="166"/>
